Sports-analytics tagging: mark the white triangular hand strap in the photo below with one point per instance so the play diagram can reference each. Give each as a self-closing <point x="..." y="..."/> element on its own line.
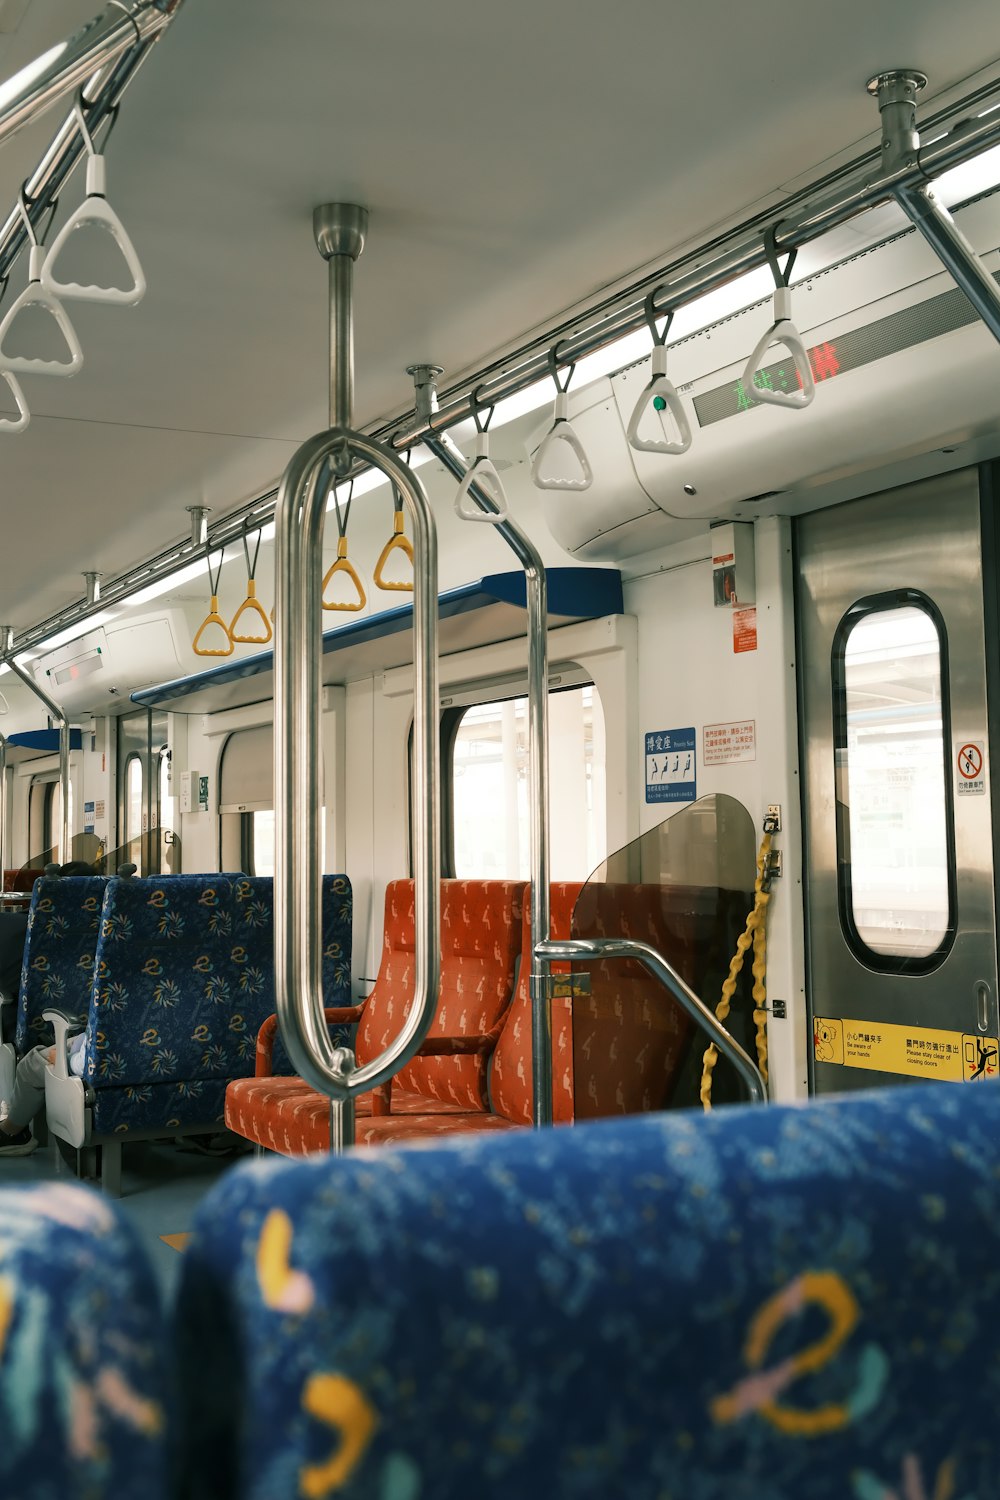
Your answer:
<point x="660" y="386"/>
<point x="482" y="473"/>
<point x="561" y="432"/>
<point x="35" y="295"/>
<point x="20" y="422"/>
<point x="97" y="212"/>
<point x="783" y="331"/>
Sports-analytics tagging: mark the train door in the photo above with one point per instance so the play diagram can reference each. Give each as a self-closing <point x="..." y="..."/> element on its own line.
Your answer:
<point x="900" y="894"/>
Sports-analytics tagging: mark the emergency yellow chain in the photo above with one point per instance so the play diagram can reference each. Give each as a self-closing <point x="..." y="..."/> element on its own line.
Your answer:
<point x="753" y="935"/>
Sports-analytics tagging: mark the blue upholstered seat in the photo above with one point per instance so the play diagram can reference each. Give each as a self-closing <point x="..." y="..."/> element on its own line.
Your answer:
<point x="82" y="1373"/>
<point x="761" y="1305"/>
<point x="58" y="971"/>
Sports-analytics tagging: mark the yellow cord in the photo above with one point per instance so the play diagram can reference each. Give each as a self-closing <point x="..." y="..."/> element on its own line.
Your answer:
<point x="753" y="934"/>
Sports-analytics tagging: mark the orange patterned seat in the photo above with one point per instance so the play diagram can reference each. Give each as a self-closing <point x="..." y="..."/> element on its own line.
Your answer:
<point x="480" y="932"/>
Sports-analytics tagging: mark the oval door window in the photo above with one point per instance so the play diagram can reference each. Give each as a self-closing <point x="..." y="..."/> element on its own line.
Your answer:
<point x="894" y="815"/>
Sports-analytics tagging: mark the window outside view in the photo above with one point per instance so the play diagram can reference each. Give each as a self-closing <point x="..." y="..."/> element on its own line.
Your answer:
<point x="490" y="788"/>
<point x="893" y="781"/>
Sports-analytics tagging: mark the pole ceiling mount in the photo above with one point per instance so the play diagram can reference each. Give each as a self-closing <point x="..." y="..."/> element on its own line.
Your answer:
<point x="897" y="85"/>
<point x="340" y="229"/>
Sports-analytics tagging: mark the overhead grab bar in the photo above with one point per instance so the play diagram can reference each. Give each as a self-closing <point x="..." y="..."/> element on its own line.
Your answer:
<point x="398" y="542"/>
<point x="340" y="231"/>
<point x="782" y="331"/>
<point x="37" y="295"/>
<point x="343" y="564"/>
<point x="482" y="472"/>
<point x="251" y="604"/>
<point x="96" y="211"/>
<point x="58" y="714"/>
<point x="561" y="432"/>
<point x="661" y="394"/>
<point x="213" y="620"/>
<point x="568" y="949"/>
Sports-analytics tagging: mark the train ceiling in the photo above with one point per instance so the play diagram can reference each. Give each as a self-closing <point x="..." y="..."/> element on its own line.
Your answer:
<point x="516" y="159"/>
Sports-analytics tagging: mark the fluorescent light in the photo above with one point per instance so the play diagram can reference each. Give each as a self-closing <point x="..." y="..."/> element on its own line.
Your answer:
<point x="165" y="585"/>
<point x="72" y="632"/>
<point x="970" y="179"/>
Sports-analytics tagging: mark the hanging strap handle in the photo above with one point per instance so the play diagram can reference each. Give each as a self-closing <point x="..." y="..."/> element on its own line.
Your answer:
<point x="343" y="563"/>
<point x="398" y="542"/>
<point x="561" y="431"/>
<point x="782" y="331"/>
<point x="482" y="472"/>
<point x="96" y="211"/>
<point x="251" y="604"/>
<point x="36" y="295"/>
<point x="213" y="619"/>
<point x="661" y="394"/>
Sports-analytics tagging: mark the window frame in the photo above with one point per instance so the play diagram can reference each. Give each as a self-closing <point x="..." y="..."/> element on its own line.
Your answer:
<point x="133" y="755"/>
<point x="875" y="604"/>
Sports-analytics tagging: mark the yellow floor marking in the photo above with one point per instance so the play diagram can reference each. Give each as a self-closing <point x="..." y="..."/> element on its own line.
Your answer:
<point x="176" y="1241"/>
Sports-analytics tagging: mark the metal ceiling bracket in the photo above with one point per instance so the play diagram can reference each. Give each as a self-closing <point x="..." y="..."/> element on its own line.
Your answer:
<point x="93" y="582"/>
<point x="896" y="92"/>
<point x="199" y="524"/>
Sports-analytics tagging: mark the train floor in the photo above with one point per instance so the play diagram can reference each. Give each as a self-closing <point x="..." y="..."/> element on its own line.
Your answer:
<point x="162" y="1185"/>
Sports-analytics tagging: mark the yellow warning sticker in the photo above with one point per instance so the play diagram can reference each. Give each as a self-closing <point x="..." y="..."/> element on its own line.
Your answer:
<point x="916" y="1051"/>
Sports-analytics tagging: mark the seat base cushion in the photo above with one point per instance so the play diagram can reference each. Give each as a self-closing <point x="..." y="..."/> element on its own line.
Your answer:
<point x="287" y="1115"/>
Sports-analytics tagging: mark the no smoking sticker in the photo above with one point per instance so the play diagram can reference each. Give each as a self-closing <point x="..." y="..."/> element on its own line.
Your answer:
<point x="970" y="773"/>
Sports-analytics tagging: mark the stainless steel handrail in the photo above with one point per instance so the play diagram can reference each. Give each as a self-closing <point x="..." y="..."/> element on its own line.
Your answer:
<point x="605" y="948"/>
<point x="298" y="886"/>
<point x="103" y="57"/>
<point x="54" y="711"/>
<point x="536" y="600"/>
<point x="3" y="810"/>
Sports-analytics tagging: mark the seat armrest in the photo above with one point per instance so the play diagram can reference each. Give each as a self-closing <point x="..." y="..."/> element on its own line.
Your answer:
<point x="335" y="1015"/>
<point x="60" y="1025"/>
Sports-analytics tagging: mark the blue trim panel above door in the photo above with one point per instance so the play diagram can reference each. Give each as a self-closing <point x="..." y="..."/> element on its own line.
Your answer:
<point x="43" y="741"/>
<point x="573" y="594"/>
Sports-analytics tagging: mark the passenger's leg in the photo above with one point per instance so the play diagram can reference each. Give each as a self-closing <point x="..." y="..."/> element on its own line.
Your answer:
<point x="29" y="1090"/>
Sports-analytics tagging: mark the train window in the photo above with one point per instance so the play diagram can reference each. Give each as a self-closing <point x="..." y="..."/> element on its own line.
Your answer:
<point x="262" y="842"/>
<point x="894" y="816"/>
<point x="133" y="798"/>
<point x="488" y="761"/>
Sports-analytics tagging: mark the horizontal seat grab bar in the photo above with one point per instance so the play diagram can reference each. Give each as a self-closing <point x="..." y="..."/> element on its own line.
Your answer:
<point x="568" y="949"/>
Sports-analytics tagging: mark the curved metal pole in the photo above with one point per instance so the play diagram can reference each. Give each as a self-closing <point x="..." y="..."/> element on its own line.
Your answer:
<point x="297" y="694"/>
<point x="604" y="948"/>
<point x="54" y="711"/>
<point x="536" y="601"/>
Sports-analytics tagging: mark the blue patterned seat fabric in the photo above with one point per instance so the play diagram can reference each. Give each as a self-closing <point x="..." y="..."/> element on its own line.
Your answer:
<point x="82" y="1374"/>
<point x="58" y="970"/>
<point x="257" y="900"/>
<point x="185" y="977"/>
<point x="761" y="1305"/>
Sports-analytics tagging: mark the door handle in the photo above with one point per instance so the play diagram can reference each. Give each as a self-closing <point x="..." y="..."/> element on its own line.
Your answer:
<point x="983" y="1006"/>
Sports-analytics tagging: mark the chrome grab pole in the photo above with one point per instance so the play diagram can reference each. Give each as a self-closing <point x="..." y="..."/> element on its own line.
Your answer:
<point x="896" y="92"/>
<point x="54" y="712"/>
<point x="589" y="949"/>
<point x="536" y="601"/>
<point x="297" y="696"/>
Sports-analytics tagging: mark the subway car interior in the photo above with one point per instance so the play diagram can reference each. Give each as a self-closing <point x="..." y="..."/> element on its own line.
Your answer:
<point x="499" y="903"/>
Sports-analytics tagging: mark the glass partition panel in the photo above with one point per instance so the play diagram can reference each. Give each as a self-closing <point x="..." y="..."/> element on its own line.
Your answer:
<point x="685" y="888"/>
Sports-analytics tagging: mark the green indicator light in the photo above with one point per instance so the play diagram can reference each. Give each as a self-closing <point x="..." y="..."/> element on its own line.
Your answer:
<point x="659" y="404"/>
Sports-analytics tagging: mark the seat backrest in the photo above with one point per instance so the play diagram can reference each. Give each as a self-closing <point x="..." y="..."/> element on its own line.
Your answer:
<point x="480" y="939"/>
<point x="59" y="954"/>
<point x="790" y="1301"/>
<point x="168" y="1002"/>
<point x="83" y="1398"/>
<point x="255" y="913"/>
<point x="510" y="1084"/>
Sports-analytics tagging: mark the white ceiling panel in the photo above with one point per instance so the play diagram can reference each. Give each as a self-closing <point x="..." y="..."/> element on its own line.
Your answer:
<point x="515" y="159"/>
